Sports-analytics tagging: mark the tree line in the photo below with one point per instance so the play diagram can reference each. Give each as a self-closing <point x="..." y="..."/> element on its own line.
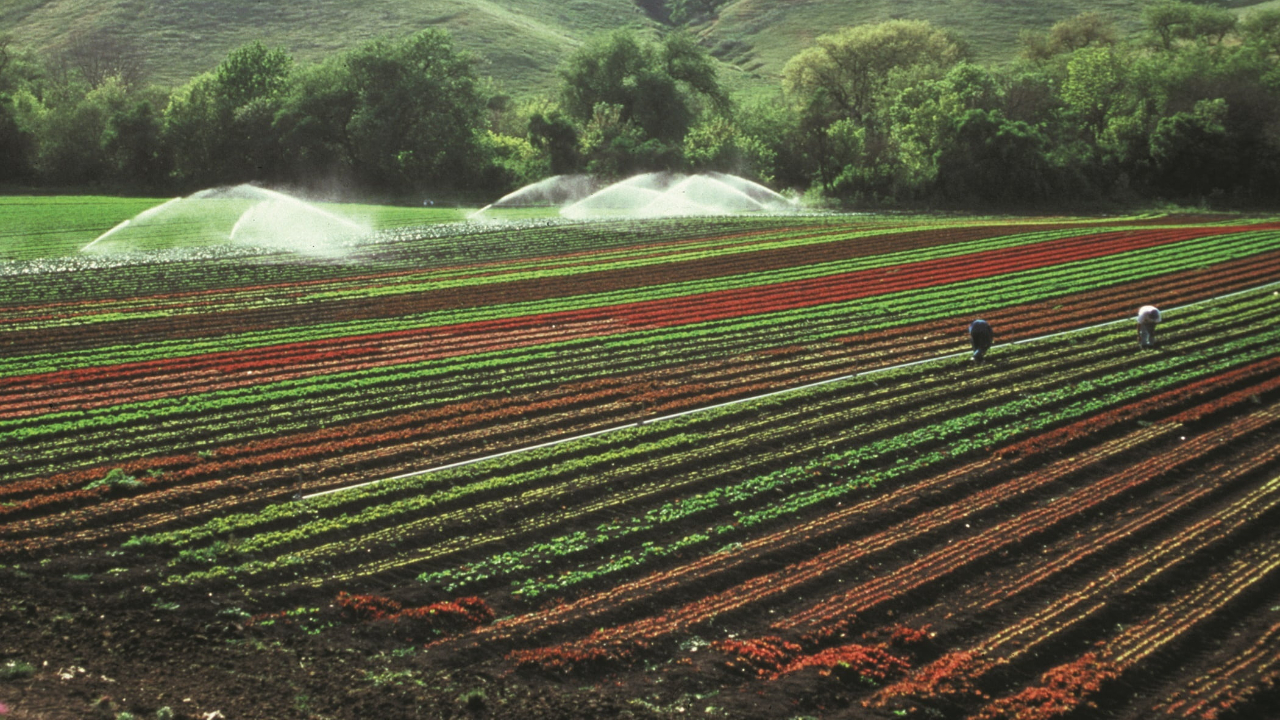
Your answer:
<point x="1185" y="110"/>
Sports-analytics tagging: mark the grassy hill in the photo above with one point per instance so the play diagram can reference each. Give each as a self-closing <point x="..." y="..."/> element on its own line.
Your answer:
<point x="518" y="42"/>
<point x="761" y="35"/>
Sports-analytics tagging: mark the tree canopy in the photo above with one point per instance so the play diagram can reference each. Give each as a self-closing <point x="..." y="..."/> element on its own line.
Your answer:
<point x="887" y="113"/>
<point x="636" y="99"/>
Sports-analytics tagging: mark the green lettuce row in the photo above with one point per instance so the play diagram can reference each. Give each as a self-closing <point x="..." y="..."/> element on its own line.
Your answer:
<point x="967" y="433"/>
<point x="938" y="432"/>
<point x="160" y="350"/>
<point x="289" y="397"/>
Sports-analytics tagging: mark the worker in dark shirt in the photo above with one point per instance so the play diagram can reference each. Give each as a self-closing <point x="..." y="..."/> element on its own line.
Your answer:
<point x="981" y="336"/>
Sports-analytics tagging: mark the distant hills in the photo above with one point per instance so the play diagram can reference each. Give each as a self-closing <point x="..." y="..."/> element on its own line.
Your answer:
<point x="519" y="43"/>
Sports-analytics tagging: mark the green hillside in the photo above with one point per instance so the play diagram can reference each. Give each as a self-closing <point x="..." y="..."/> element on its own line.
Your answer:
<point x="518" y="42"/>
<point x="761" y="35"/>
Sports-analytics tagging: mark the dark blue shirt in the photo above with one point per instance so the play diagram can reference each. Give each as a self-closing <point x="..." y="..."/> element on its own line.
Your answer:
<point x="980" y="333"/>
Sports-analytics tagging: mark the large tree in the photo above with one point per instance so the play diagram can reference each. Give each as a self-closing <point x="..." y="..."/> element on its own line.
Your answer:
<point x="842" y="74"/>
<point x="313" y="121"/>
<point x="219" y="126"/>
<point x="636" y="97"/>
<point x="417" y="114"/>
<point x="838" y="86"/>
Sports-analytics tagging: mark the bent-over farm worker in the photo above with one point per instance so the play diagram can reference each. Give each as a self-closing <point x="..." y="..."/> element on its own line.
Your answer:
<point x="1148" y="318"/>
<point x="981" y="336"/>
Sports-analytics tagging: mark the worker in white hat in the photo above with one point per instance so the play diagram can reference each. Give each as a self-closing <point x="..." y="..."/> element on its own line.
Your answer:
<point x="1148" y="318"/>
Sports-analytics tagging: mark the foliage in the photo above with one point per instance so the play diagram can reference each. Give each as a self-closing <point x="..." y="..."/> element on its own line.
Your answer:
<point x="720" y="145"/>
<point x="842" y="74"/>
<point x="636" y="99"/>
<point x="117" y="478"/>
<point x="884" y="114"/>
<point x="16" y="670"/>
<point x="1067" y="36"/>
<point x="994" y="161"/>
<point x="416" y="113"/>
<point x="219" y="127"/>
<point x="556" y="137"/>
<point x="1191" y="151"/>
<point x="837" y="89"/>
<point x="691" y="11"/>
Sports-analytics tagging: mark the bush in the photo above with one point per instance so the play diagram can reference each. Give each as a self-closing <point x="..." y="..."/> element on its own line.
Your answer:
<point x="117" y="479"/>
<point x="16" y="670"/>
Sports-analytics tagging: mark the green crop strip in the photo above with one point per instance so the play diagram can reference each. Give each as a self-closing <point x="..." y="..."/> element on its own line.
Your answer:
<point x="292" y="397"/>
<point x="110" y="355"/>
<point x="999" y="423"/>
<point x="1166" y="373"/>
<point x="406" y="286"/>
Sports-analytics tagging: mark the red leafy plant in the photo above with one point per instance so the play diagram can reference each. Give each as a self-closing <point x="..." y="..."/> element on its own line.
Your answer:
<point x="418" y="622"/>
<point x="762" y="657"/>
<point x="871" y="662"/>
<point x="1061" y="691"/>
<point x="947" y="679"/>
<point x="574" y="657"/>
<point x="900" y="636"/>
<point x="362" y="608"/>
<point x="442" y="618"/>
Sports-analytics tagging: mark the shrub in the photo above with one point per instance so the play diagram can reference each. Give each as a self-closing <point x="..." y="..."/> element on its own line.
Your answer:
<point x="16" y="670"/>
<point x="117" y="479"/>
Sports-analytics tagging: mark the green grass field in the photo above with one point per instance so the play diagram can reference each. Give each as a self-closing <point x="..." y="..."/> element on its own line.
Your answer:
<point x="58" y="226"/>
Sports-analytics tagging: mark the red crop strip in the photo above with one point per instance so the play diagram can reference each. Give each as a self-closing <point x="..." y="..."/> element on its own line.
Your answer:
<point x="826" y="614"/>
<point x="725" y="304"/>
<point x="701" y="568"/>
<point x="370" y="277"/>
<point x="1013" y="323"/>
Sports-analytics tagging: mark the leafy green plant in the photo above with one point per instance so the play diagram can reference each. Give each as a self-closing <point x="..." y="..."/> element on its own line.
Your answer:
<point x="16" y="670"/>
<point x="474" y="700"/>
<point x="116" y="479"/>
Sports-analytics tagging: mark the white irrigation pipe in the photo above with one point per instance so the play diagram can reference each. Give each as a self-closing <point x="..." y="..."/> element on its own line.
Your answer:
<point x="754" y="398"/>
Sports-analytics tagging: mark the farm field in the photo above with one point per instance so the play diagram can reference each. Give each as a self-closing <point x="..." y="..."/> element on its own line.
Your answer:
<point x="702" y="467"/>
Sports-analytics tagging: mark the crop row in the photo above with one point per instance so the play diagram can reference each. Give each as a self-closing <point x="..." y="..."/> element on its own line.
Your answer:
<point x="300" y="291"/>
<point x="193" y="407"/>
<point x="164" y="499"/>
<point x="612" y="598"/>
<point x="173" y="380"/>
<point x="955" y="679"/>
<point x="734" y="494"/>
<point x="633" y="302"/>
<point x="574" y="456"/>
<point x="831" y="611"/>
<point x="828" y="615"/>
<point x="1071" y="686"/>
<point x="1156" y="564"/>
<point x="1230" y="682"/>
